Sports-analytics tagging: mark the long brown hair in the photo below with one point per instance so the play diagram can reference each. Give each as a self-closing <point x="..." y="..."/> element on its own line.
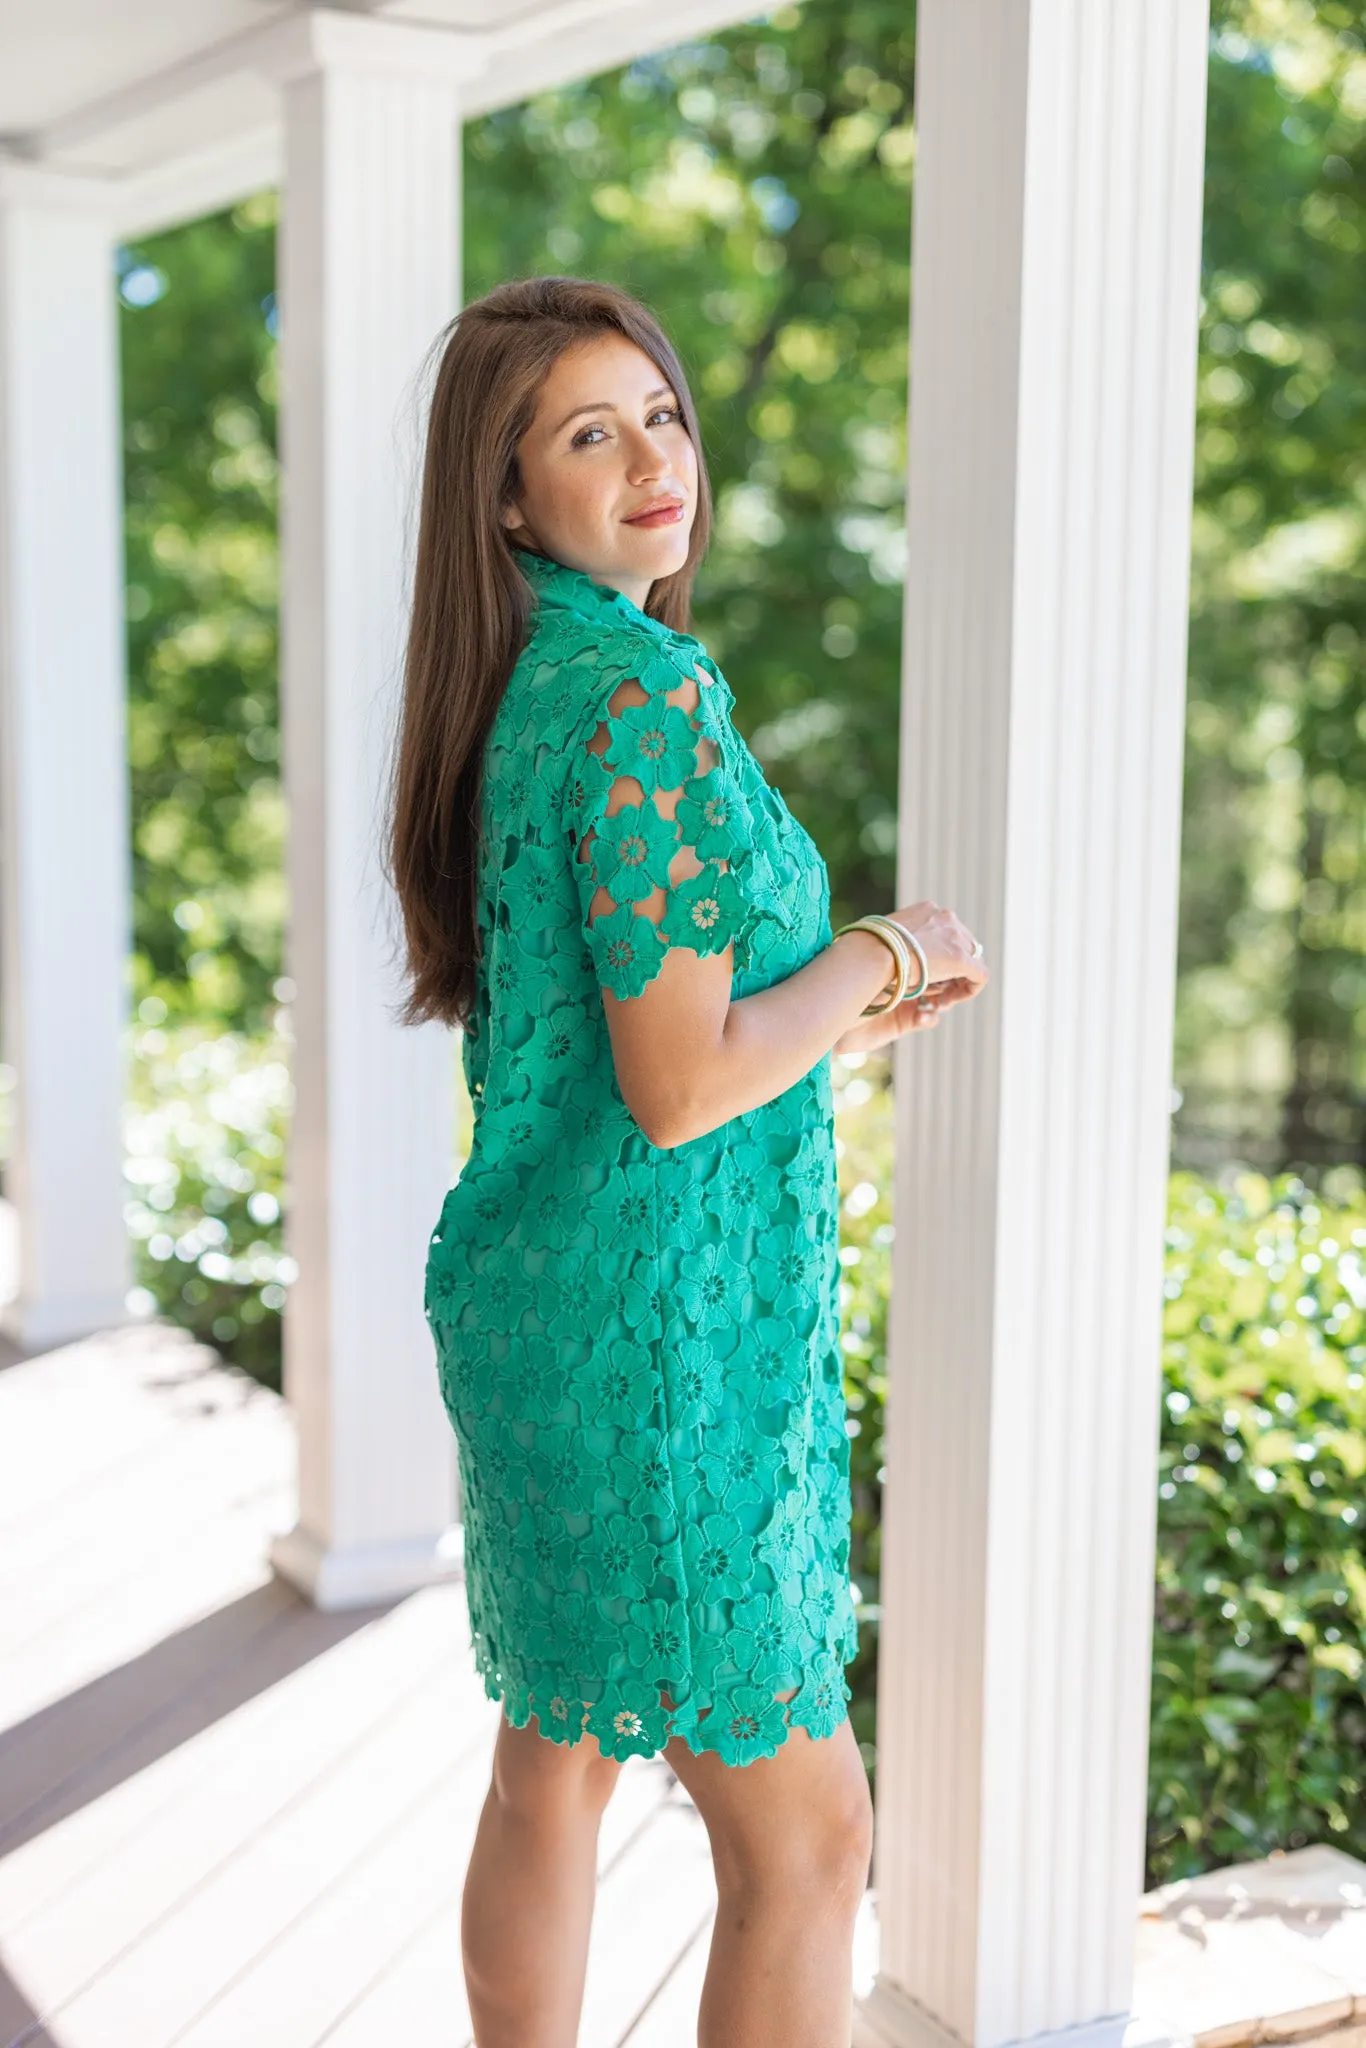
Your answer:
<point x="472" y="605"/>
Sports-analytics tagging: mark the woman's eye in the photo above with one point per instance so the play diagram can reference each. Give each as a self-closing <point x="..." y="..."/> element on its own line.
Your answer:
<point x="582" y="438"/>
<point x="665" y="414"/>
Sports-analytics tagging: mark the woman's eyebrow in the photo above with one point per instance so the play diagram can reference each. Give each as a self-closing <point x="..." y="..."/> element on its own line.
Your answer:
<point x="606" y="405"/>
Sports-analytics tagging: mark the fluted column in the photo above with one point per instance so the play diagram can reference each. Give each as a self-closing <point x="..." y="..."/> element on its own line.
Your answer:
<point x="369" y="275"/>
<point x="64" y="867"/>
<point x="1056" y="254"/>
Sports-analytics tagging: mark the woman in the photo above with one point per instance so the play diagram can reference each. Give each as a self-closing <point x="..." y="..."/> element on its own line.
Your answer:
<point x="633" y="1286"/>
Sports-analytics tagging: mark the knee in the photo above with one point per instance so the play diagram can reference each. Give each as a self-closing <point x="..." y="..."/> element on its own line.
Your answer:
<point x="819" y="1852"/>
<point x="840" y="1848"/>
<point x="544" y="1782"/>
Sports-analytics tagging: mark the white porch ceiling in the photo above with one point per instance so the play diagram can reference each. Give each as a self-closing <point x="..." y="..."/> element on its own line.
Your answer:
<point x="170" y="103"/>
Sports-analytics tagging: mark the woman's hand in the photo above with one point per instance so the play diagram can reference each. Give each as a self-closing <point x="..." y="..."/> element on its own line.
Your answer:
<point x="870" y="1034"/>
<point x="957" y="974"/>
<point x="947" y="943"/>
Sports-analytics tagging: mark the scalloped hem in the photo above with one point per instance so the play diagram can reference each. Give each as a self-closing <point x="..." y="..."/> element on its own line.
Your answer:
<point x="740" y="1725"/>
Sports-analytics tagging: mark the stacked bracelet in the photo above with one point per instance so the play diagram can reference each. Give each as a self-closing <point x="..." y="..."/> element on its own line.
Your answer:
<point x="901" y="944"/>
<point x="912" y="995"/>
<point x="895" y="942"/>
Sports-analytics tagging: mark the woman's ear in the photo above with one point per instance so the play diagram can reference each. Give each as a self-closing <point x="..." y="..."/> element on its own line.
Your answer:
<point x="511" y="516"/>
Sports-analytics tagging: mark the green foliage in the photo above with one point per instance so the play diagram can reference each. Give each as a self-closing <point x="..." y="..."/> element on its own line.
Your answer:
<point x="1259" y="1723"/>
<point x="1258" y="1714"/>
<point x="205" y="1138"/>
<point x="1271" y="1051"/>
<point x="200" y="476"/>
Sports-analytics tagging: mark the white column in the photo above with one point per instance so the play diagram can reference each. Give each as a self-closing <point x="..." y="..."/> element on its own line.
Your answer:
<point x="368" y="277"/>
<point x="64" y="883"/>
<point x="1056" y="251"/>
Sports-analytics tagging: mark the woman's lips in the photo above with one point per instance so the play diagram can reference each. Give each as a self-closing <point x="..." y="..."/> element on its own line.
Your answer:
<point x="667" y="512"/>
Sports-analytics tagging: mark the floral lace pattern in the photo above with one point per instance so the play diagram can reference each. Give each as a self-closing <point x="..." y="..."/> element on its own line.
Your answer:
<point x="638" y="1348"/>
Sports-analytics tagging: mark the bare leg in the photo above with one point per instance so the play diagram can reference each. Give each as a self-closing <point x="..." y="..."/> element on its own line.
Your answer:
<point x="528" y="1903"/>
<point x="791" y="1838"/>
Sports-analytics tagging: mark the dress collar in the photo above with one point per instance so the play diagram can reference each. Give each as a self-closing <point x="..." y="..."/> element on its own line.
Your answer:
<point x="555" y="584"/>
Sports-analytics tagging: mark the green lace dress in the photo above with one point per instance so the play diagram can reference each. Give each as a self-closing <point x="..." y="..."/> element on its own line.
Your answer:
<point x="638" y="1348"/>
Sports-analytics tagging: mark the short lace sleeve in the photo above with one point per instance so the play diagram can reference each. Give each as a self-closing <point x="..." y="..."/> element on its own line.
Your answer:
<point x="659" y="826"/>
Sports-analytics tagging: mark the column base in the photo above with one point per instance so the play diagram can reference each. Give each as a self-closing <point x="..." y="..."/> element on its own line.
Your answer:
<point x="64" y="1319"/>
<point x="363" y="1576"/>
<point x="888" y="2018"/>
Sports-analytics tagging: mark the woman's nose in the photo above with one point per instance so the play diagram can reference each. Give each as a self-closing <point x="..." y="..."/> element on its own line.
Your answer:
<point x="646" y="459"/>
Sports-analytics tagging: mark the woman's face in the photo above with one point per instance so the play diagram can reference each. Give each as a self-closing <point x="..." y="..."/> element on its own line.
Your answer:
<point x="609" y="473"/>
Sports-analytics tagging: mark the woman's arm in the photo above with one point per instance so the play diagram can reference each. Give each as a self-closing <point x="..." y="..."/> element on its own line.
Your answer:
<point x="687" y="1058"/>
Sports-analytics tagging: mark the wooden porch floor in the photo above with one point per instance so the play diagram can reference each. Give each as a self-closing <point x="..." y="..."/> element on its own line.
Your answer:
<point x="227" y="1821"/>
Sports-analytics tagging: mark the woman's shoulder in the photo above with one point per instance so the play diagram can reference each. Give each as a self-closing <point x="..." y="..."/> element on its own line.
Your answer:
<point x="571" y="668"/>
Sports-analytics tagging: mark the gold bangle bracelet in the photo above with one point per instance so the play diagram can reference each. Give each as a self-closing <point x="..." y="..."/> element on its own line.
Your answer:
<point x="901" y="952"/>
<point x="894" y="939"/>
<point x="913" y="945"/>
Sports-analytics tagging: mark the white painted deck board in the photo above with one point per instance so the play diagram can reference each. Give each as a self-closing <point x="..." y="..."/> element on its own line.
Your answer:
<point x="649" y="1906"/>
<point x="147" y="1995"/>
<point x="123" y="1436"/>
<point x="643" y="1787"/>
<point x="210" y="1566"/>
<point x="281" y="1736"/>
<point x="419" y="1999"/>
<point x="69" y="1418"/>
<point x="670" y="2018"/>
<point x="312" y="1971"/>
<point x="225" y="1818"/>
<point x="197" y="1476"/>
<point x="58" y="1757"/>
<point x="222" y="1821"/>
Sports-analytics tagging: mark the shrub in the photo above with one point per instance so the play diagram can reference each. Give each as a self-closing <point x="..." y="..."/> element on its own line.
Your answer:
<point x="1258" y="1716"/>
<point x="204" y="1138"/>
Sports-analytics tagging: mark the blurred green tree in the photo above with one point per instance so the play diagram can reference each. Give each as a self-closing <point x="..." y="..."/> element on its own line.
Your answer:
<point x="197" y="311"/>
<point x="1270" y="1046"/>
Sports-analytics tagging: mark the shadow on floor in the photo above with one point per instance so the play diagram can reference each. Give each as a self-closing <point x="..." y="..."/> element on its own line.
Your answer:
<point x="84" y="1744"/>
<point x="12" y="1353"/>
<point x="19" y="2023"/>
